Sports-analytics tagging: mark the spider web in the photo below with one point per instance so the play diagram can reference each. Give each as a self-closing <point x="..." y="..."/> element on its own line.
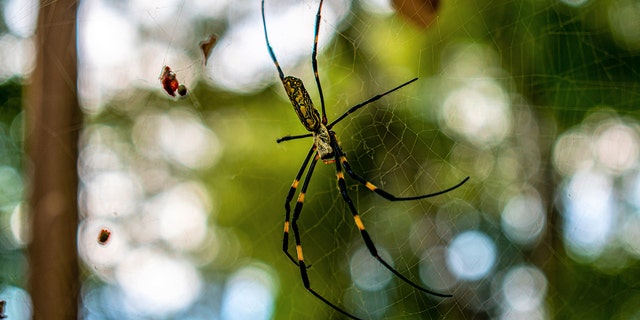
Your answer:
<point x="399" y="146"/>
<point x="535" y="101"/>
<point x="522" y="81"/>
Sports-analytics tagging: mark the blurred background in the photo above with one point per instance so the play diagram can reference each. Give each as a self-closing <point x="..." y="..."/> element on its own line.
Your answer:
<point x="536" y="101"/>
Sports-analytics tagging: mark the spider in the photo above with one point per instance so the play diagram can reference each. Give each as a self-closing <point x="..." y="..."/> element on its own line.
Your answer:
<point x="326" y="147"/>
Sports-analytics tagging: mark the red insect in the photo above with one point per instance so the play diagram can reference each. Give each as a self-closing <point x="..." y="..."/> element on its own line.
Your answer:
<point x="104" y="235"/>
<point x="170" y="83"/>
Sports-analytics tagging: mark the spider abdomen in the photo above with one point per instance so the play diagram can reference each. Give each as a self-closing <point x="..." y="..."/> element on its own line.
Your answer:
<point x="302" y="104"/>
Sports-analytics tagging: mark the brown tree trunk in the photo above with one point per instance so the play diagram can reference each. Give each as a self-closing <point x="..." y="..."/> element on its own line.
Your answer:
<point x="53" y="123"/>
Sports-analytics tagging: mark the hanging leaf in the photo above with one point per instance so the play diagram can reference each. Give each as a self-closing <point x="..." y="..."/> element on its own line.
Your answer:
<point x="421" y="13"/>
<point x="207" y="45"/>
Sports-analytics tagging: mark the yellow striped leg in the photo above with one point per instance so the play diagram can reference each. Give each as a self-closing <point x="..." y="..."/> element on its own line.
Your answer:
<point x="365" y="235"/>
<point x="384" y="194"/>
<point x="287" y="204"/>
<point x="296" y="234"/>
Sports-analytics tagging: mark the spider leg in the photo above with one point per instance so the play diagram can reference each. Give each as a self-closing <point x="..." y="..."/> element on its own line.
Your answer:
<point x="287" y="204"/>
<point x="387" y="195"/>
<point x="296" y="232"/>
<point x="287" y="138"/>
<point x="314" y="62"/>
<point x="366" y="102"/>
<point x="365" y="235"/>
<point x="266" y="37"/>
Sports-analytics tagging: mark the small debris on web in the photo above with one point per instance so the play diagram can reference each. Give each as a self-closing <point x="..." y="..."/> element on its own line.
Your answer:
<point x="207" y="45"/>
<point x="422" y="13"/>
<point x="104" y="236"/>
<point x="2" y="305"/>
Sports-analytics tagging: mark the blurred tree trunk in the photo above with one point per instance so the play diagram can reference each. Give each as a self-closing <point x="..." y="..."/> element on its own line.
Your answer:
<point x="53" y="124"/>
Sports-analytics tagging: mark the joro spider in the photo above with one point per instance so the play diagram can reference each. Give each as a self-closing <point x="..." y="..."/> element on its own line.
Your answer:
<point x="326" y="147"/>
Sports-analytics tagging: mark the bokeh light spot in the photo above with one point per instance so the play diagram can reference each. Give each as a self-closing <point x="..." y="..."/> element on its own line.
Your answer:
<point x="524" y="288"/>
<point x="156" y="284"/>
<point x="523" y="218"/>
<point x="616" y="147"/>
<point x="433" y="270"/>
<point x="588" y="214"/>
<point x="471" y="255"/>
<point x="479" y="111"/>
<point x="20" y="16"/>
<point x="18" y="303"/>
<point x="571" y="152"/>
<point x="181" y="215"/>
<point x="367" y="273"/>
<point x="107" y="36"/>
<point x="624" y="23"/>
<point x="17" y="56"/>
<point x="575" y="3"/>
<point x="110" y="192"/>
<point x="250" y="294"/>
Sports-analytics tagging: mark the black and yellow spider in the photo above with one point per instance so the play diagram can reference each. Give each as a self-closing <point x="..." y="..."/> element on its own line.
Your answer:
<point x="326" y="147"/>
